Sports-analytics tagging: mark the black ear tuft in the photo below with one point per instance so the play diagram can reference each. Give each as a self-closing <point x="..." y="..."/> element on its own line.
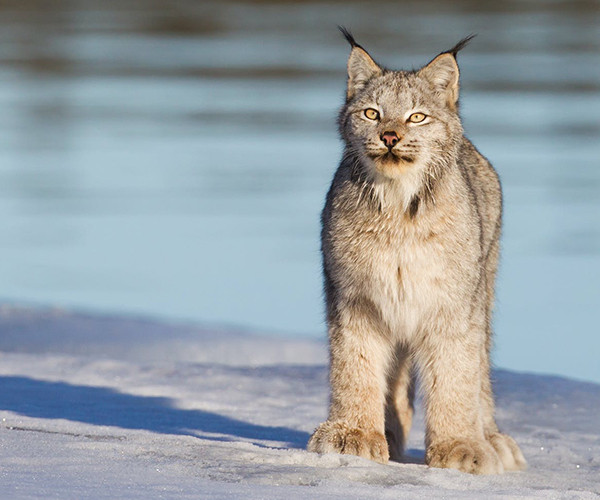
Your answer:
<point x="361" y="66"/>
<point x="460" y="45"/>
<point x="348" y="36"/>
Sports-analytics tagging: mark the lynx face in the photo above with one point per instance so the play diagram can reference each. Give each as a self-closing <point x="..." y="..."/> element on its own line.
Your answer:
<point x="401" y="125"/>
<point x="398" y="123"/>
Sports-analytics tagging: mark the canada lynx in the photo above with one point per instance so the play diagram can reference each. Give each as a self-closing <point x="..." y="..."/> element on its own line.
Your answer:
<point x="410" y="241"/>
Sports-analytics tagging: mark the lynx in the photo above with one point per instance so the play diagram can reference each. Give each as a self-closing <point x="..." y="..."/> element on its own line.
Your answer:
<point x="410" y="243"/>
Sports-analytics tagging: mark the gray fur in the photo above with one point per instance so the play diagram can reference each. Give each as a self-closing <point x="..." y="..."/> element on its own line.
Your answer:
<point x="410" y="242"/>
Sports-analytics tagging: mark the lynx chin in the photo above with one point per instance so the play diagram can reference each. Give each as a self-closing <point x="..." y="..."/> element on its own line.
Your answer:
<point x="410" y="242"/>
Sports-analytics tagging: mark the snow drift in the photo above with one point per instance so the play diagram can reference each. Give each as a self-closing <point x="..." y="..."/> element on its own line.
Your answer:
<point x="113" y="407"/>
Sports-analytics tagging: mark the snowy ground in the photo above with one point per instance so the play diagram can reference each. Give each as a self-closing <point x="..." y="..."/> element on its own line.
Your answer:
<point x="97" y="407"/>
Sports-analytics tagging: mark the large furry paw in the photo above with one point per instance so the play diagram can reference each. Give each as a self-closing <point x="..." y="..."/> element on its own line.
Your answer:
<point x="339" y="437"/>
<point x="508" y="451"/>
<point x="466" y="455"/>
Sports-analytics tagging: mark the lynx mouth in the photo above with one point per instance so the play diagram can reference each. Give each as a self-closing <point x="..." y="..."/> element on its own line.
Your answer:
<point x="391" y="157"/>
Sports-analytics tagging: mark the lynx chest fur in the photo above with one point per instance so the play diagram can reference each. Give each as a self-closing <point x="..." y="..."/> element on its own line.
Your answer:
<point x="410" y="241"/>
<point x="401" y="263"/>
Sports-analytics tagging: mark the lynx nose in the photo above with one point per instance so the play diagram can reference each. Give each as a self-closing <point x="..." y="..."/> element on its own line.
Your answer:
<point x="390" y="139"/>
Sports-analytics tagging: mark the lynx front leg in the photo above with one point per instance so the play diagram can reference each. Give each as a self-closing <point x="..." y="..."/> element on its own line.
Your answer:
<point x="506" y="447"/>
<point x="357" y="375"/>
<point x="451" y="374"/>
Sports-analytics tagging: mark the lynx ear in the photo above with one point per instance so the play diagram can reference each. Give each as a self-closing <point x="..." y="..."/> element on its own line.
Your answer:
<point x="361" y="66"/>
<point x="443" y="73"/>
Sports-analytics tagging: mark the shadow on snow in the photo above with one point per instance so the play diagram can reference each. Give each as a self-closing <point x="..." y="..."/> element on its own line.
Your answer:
<point x="104" y="406"/>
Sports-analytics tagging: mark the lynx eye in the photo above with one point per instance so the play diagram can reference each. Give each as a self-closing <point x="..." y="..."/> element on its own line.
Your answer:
<point x="372" y="114"/>
<point x="417" y="117"/>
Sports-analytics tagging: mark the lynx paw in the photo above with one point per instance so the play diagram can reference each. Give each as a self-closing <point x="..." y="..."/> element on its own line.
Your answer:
<point x="338" y="437"/>
<point x="508" y="451"/>
<point x="475" y="457"/>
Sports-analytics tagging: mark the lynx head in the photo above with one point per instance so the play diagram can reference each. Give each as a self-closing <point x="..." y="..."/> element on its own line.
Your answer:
<point x="401" y="127"/>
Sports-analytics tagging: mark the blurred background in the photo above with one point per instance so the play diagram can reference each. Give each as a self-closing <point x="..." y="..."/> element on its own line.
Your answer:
<point x="170" y="158"/>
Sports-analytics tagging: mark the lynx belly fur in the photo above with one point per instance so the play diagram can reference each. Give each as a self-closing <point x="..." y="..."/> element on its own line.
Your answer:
<point x="410" y="241"/>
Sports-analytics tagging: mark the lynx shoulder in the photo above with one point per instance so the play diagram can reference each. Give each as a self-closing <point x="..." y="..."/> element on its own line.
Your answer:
<point x="410" y="242"/>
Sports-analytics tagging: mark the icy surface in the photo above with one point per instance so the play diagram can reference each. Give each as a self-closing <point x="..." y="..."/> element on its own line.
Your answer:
<point x="98" y="407"/>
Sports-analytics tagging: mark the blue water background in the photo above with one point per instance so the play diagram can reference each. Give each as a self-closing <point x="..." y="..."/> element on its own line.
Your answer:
<point x="171" y="159"/>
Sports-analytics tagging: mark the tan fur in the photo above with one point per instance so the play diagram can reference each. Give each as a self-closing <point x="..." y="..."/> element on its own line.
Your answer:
<point x="410" y="250"/>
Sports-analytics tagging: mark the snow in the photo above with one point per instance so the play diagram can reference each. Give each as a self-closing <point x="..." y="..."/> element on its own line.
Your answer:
<point x="116" y="407"/>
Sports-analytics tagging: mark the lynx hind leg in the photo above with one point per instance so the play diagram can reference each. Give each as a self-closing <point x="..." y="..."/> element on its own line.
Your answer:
<point x="507" y="449"/>
<point x="399" y="405"/>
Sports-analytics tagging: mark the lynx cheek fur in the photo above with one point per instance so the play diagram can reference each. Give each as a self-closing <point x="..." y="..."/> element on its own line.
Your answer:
<point x="410" y="237"/>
